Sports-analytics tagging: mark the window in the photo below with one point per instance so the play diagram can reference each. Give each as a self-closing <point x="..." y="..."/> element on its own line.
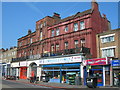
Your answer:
<point x="75" y="26"/>
<point x="82" y="25"/>
<point x="30" y="40"/>
<point x="107" y="39"/>
<point x="108" y="52"/>
<point x="40" y="35"/>
<point x="66" y="45"/>
<point x="82" y="42"/>
<point x="52" y="47"/>
<point x="76" y="43"/>
<point x="52" y="33"/>
<point x="41" y="25"/>
<point x="44" y="23"/>
<point x="20" y="44"/>
<point x="57" y="47"/>
<point x="57" y="31"/>
<point x="66" y="28"/>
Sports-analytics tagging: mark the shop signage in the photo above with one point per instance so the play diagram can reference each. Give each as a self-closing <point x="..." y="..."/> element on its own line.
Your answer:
<point x="15" y="64"/>
<point x="115" y="63"/>
<point x="100" y="61"/>
<point x="24" y="63"/>
<point x="62" y="60"/>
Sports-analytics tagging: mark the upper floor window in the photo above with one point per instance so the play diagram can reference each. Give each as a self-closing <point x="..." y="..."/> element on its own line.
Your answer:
<point x="76" y="43"/>
<point x="52" y="47"/>
<point x="82" y="25"/>
<point x="31" y="40"/>
<point x="57" y="31"/>
<point x="66" y="28"/>
<point x="75" y="26"/>
<point x="52" y="33"/>
<point x="110" y="52"/>
<point x="40" y="35"/>
<point x="66" y="45"/>
<point x="44" y="23"/>
<point x="20" y="44"/>
<point x="57" y="47"/>
<point x="107" y="39"/>
<point x="82" y="42"/>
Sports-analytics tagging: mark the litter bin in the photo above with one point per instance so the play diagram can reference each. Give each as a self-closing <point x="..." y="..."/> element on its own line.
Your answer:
<point x="91" y="82"/>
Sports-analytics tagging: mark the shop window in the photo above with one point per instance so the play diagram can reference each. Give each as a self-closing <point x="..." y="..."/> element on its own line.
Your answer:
<point x="82" y="25"/>
<point x="75" y="26"/>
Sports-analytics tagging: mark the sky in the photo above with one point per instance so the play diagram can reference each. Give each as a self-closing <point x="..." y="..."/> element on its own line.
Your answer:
<point x="18" y="17"/>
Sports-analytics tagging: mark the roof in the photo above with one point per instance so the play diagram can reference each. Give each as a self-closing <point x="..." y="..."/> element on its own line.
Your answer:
<point x="109" y="31"/>
<point x="79" y="14"/>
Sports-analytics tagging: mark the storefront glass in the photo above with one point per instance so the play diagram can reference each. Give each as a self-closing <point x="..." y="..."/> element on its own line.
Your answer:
<point x="60" y="73"/>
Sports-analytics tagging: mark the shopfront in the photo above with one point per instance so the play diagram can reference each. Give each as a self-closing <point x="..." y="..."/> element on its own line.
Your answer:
<point x="99" y="68"/>
<point x="60" y="70"/>
<point x="116" y="72"/>
<point x="15" y="69"/>
<point x="23" y="70"/>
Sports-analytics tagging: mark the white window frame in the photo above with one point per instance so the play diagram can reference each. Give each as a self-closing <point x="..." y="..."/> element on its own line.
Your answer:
<point x="75" y="26"/>
<point x="82" y="25"/>
<point x="52" y="33"/>
<point x="66" y="29"/>
<point x="57" y="31"/>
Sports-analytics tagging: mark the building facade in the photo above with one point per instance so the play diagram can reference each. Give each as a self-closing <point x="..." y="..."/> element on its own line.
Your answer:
<point x="57" y="44"/>
<point x="108" y="44"/>
<point x="7" y="56"/>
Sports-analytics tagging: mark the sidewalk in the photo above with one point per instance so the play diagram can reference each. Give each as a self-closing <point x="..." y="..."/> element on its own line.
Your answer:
<point x="58" y="85"/>
<point x="54" y="85"/>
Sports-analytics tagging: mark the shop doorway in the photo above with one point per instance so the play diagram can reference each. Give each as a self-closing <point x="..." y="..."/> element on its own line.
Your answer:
<point x="99" y="74"/>
<point x="23" y="73"/>
<point x="33" y="69"/>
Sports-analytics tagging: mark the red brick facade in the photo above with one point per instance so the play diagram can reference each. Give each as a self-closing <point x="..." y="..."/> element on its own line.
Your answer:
<point x="41" y="41"/>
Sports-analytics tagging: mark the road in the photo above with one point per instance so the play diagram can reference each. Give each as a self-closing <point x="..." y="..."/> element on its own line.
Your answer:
<point x="9" y="84"/>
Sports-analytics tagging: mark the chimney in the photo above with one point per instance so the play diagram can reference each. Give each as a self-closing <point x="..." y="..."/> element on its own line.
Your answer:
<point x="104" y="16"/>
<point x="29" y="31"/>
<point x="94" y="5"/>
<point x="56" y="15"/>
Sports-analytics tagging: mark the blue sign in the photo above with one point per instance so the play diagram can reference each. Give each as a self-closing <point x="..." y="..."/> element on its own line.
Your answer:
<point x="115" y="62"/>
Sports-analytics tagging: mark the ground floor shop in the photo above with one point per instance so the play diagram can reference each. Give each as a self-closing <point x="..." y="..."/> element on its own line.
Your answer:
<point x="116" y="72"/>
<point x="99" y="68"/>
<point x="62" y="73"/>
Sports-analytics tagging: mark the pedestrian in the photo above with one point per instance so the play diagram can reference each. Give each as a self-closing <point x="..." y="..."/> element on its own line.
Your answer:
<point x="34" y="79"/>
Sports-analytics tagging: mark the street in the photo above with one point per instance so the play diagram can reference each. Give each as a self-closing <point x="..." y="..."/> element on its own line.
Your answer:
<point x="13" y="84"/>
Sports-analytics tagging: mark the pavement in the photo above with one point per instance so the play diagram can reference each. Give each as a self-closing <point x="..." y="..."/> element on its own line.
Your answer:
<point x="57" y="85"/>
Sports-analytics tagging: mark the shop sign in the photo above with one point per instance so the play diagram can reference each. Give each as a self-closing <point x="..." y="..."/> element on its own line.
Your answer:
<point x="15" y="64"/>
<point x="23" y="63"/>
<point x="62" y="60"/>
<point x="115" y="63"/>
<point x="100" y="61"/>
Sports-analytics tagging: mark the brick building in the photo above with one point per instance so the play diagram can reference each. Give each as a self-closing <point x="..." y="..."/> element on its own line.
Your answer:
<point x="66" y="38"/>
<point x="53" y="35"/>
<point x="108" y="44"/>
